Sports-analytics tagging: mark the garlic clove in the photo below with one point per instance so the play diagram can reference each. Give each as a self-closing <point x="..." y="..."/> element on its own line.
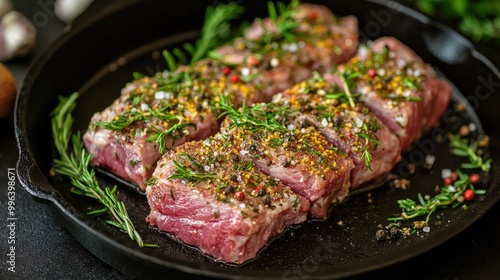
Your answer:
<point x="17" y="36"/>
<point x="68" y="10"/>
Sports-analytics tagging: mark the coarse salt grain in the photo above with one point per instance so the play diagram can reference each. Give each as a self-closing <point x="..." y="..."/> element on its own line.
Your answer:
<point x="324" y="122"/>
<point x="245" y="72"/>
<point x="159" y="95"/>
<point x="445" y="173"/>
<point x="430" y="159"/>
<point x="275" y="62"/>
<point x="401" y="63"/>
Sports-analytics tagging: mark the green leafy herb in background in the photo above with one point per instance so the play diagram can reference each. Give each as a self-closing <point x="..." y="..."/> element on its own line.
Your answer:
<point x="478" y="19"/>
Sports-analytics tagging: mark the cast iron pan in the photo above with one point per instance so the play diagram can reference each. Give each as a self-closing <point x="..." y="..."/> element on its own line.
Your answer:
<point x="102" y="50"/>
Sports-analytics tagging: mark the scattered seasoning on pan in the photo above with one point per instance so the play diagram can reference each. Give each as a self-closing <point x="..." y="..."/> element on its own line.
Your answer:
<point x="457" y="189"/>
<point x="449" y="195"/>
<point x="74" y="163"/>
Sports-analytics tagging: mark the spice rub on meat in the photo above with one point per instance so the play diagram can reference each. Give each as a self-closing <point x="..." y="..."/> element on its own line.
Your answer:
<point x="347" y="124"/>
<point x="205" y="196"/>
<point x="402" y="90"/>
<point x="287" y="50"/>
<point x="298" y="156"/>
<point x="154" y="114"/>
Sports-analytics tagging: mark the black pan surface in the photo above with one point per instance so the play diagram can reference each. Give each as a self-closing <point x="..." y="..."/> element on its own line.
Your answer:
<point x="100" y="53"/>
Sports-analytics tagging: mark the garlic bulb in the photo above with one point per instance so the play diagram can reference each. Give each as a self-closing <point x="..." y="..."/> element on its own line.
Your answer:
<point x="68" y="10"/>
<point x="5" y="7"/>
<point x="17" y="35"/>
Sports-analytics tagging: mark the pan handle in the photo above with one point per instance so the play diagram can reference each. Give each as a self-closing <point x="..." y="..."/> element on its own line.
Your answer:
<point x="32" y="178"/>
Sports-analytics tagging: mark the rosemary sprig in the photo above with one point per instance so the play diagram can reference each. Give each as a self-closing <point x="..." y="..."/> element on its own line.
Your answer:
<point x="282" y="17"/>
<point x="74" y="163"/>
<point x="253" y="117"/>
<point x="216" y="30"/>
<point x="462" y="148"/>
<point x="183" y="172"/>
<point x="176" y="128"/>
<point x="449" y="195"/>
<point x="124" y="120"/>
<point x="176" y="131"/>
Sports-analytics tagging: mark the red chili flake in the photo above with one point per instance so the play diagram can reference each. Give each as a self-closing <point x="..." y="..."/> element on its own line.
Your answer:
<point x="448" y="181"/>
<point x="474" y="178"/>
<point x="351" y="135"/>
<point x="313" y="15"/>
<point x="239" y="195"/>
<point x="235" y="78"/>
<point x="226" y="71"/>
<point x="252" y="61"/>
<point x="258" y="188"/>
<point x="372" y="72"/>
<point x="469" y="195"/>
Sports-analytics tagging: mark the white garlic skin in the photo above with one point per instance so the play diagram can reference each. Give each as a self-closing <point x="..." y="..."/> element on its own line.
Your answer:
<point x="68" y="10"/>
<point x="17" y="36"/>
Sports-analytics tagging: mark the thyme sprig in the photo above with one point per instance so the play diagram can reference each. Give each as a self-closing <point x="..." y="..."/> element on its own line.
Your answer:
<point x="215" y="31"/>
<point x="463" y="148"/>
<point x="449" y="195"/>
<point x="74" y="163"/>
<point x="253" y="117"/>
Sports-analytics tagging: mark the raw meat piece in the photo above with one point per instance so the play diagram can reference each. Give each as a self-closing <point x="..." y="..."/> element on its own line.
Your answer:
<point x="225" y="207"/>
<point x="403" y="91"/>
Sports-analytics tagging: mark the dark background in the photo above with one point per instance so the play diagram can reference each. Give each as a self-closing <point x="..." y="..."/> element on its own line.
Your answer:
<point x="44" y="250"/>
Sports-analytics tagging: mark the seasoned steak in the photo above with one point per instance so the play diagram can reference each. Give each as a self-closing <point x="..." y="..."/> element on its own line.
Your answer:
<point x="154" y="114"/>
<point x="279" y="58"/>
<point x="347" y="124"/>
<point x="226" y="207"/>
<point x="298" y="156"/>
<point x="403" y="91"/>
